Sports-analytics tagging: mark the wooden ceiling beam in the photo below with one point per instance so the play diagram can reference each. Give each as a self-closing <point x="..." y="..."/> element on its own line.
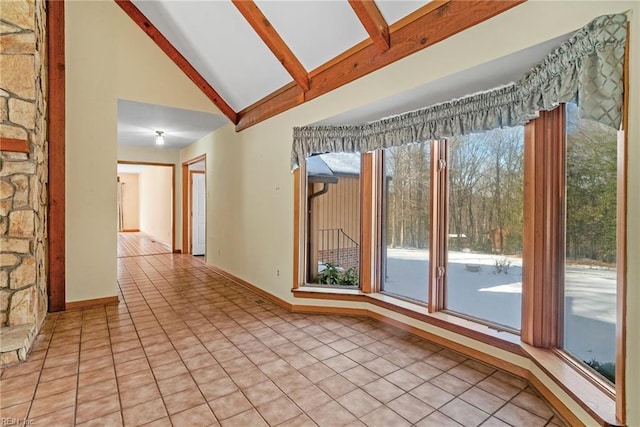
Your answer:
<point x="261" y="25"/>
<point x="165" y="45"/>
<point x="372" y="21"/>
<point x="435" y="22"/>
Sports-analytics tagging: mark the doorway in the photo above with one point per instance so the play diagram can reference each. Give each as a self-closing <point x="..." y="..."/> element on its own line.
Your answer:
<point x="146" y="201"/>
<point x="194" y="192"/>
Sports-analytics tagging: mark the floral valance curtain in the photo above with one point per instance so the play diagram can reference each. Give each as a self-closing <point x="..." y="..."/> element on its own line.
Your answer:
<point x="587" y="69"/>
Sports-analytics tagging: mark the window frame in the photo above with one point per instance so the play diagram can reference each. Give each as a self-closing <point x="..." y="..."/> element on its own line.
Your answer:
<point x="301" y="224"/>
<point x="438" y="234"/>
<point x="379" y="158"/>
<point x="441" y="193"/>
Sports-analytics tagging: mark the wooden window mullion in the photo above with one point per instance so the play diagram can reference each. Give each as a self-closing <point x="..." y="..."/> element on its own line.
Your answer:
<point x="438" y="226"/>
<point x="543" y="249"/>
<point x="621" y="250"/>
<point x="367" y="234"/>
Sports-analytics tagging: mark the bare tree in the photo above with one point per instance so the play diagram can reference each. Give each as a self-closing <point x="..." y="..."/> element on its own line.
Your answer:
<point x="407" y="168"/>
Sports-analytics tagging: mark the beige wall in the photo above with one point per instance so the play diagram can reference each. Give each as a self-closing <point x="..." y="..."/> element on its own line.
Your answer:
<point x="130" y="201"/>
<point x="107" y="57"/>
<point x="156" y="202"/>
<point x="251" y="188"/>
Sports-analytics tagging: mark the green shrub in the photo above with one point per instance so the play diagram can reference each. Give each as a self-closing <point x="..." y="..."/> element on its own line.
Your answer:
<point x="607" y="370"/>
<point x="334" y="275"/>
<point x="350" y="277"/>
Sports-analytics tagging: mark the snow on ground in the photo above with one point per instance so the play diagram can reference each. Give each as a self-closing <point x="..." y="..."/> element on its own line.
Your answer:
<point x="475" y="288"/>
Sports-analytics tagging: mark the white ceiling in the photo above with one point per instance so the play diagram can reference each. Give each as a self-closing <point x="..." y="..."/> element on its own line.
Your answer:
<point x="394" y="10"/>
<point x="218" y="42"/>
<point x="319" y="30"/>
<point x="216" y="39"/>
<point x="138" y="122"/>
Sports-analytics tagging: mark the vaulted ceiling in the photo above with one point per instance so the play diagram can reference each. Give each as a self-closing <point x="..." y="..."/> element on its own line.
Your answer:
<point x="256" y="59"/>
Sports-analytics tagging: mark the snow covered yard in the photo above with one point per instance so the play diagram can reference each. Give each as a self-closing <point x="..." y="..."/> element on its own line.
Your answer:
<point x="476" y="288"/>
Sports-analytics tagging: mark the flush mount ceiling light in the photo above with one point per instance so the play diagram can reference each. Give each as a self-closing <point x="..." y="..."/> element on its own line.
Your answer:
<point x="159" y="137"/>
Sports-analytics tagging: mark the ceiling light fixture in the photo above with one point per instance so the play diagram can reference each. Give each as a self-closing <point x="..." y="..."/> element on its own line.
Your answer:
<point x="159" y="137"/>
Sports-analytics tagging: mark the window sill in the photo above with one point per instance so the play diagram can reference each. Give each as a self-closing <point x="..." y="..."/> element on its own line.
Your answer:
<point x="596" y="399"/>
<point x="325" y="292"/>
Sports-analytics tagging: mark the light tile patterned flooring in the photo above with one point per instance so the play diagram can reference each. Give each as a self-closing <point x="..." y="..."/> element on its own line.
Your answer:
<point x="187" y="347"/>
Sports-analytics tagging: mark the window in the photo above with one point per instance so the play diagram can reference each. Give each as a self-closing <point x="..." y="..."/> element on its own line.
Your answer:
<point x="589" y="294"/>
<point x="406" y="221"/>
<point x="333" y="223"/>
<point x="485" y="211"/>
<point x="484" y="184"/>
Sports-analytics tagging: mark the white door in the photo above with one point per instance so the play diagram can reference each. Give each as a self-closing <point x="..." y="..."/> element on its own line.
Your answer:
<point x="198" y="212"/>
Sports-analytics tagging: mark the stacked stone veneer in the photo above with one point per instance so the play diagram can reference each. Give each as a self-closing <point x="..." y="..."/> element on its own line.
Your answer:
<point x="23" y="177"/>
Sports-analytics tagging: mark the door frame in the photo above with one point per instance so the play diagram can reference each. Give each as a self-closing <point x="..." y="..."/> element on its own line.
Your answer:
<point x="173" y="193"/>
<point x="190" y="220"/>
<point x="187" y="223"/>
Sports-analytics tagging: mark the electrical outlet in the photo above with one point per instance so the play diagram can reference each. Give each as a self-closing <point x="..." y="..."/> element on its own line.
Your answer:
<point x="278" y="273"/>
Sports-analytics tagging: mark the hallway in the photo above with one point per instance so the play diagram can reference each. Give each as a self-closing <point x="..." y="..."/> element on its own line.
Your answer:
<point x="187" y="347"/>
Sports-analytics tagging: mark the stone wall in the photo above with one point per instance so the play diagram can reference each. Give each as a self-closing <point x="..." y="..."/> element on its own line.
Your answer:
<point x="23" y="176"/>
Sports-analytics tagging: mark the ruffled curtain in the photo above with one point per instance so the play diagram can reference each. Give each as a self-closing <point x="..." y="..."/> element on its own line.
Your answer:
<point x="587" y="69"/>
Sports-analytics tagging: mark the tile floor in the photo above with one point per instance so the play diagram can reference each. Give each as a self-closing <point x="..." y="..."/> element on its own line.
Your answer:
<point x="186" y="347"/>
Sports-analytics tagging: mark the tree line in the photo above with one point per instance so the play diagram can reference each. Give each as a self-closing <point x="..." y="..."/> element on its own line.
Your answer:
<point x="591" y="189"/>
<point x="485" y="192"/>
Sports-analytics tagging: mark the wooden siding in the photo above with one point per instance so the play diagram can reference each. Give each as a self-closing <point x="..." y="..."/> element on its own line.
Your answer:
<point x="339" y="208"/>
